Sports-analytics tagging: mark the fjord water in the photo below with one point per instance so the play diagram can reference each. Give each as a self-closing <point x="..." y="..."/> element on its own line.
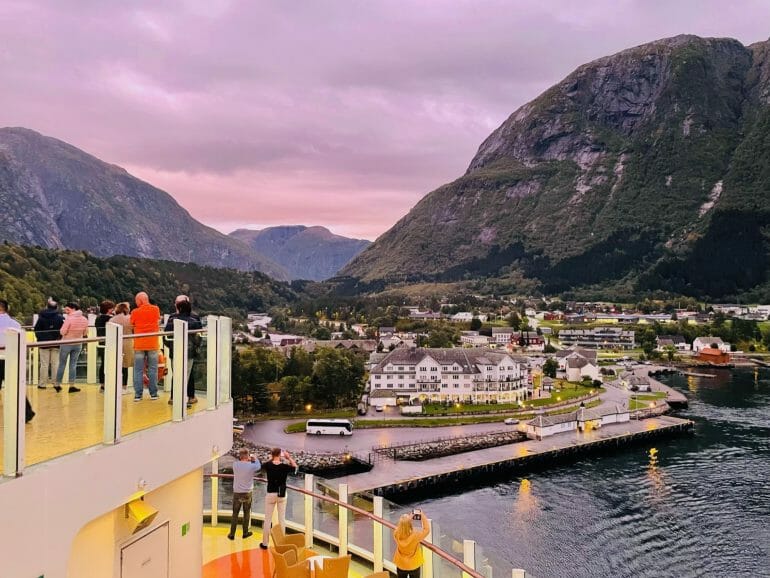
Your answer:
<point x="702" y="508"/>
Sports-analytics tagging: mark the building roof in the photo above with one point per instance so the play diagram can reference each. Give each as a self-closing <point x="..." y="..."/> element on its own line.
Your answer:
<point x="502" y="330"/>
<point x="545" y="421"/>
<point x="710" y="339"/>
<point x="589" y="354"/>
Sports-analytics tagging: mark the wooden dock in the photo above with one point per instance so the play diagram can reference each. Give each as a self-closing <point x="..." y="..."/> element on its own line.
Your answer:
<point x="389" y="477"/>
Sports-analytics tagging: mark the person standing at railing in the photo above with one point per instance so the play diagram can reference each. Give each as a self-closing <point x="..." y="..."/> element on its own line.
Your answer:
<point x="145" y="318"/>
<point x="100" y="323"/>
<point x="8" y="322"/>
<point x="47" y="327"/>
<point x="275" y="498"/>
<point x="121" y="318"/>
<point x="408" y="556"/>
<point x="184" y="313"/>
<point x="243" y="486"/>
<point x="75" y="327"/>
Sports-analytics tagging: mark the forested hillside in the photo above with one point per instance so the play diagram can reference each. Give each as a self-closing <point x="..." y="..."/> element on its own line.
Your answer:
<point x="28" y="275"/>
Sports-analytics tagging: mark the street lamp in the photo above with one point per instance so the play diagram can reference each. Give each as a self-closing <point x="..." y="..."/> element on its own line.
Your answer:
<point x="308" y="407"/>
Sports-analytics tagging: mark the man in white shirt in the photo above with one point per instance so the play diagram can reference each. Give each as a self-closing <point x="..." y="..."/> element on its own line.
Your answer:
<point x="243" y="485"/>
<point x="8" y="322"/>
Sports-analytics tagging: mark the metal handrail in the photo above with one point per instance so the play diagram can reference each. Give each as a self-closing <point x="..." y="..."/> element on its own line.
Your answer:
<point x="44" y="344"/>
<point x="433" y="548"/>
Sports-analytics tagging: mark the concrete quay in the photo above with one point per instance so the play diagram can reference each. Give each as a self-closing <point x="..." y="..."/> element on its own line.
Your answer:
<point x="389" y="478"/>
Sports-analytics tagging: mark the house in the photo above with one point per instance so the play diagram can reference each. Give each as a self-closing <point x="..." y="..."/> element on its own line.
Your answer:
<point x="713" y="356"/>
<point x="530" y="340"/>
<point x="629" y="380"/>
<point x="466" y="317"/>
<point x="502" y="335"/>
<point x="563" y="355"/>
<point x="544" y="426"/>
<point x="473" y="339"/>
<point x="425" y="315"/>
<point x="281" y="340"/>
<point x="578" y="367"/>
<point x="710" y="342"/>
<point x="662" y="342"/>
<point x="386" y="331"/>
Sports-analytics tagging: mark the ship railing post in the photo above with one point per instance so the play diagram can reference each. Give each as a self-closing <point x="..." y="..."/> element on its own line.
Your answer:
<point x="469" y="556"/>
<point x="225" y="358"/>
<point x="14" y="402"/>
<point x="91" y="348"/>
<point x="113" y="382"/>
<point x="212" y="361"/>
<point x="518" y="573"/>
<point x="215" y="492"/>
<point x="427" y="565"/>
<point x="310" y="487"/>
<point x="179" y="370"/>
<point x="343" y="520"/>
<point x="33" y="357"/>
<point x="377" y="532"/>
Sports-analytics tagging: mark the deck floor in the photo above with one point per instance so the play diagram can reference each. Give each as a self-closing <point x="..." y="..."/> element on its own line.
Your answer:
<point x="68" y="422"/>
<point x="239" y="558"/>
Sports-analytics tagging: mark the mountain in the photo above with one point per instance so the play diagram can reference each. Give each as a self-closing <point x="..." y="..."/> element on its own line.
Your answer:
<point x="28" y="275"/>
<point x="57" y="196"/>
<point x="647" y="170"/>
<point x="313" y="253"/>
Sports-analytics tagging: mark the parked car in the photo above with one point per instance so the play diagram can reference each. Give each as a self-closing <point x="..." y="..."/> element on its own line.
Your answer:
<point x="510" y="421"/>
<point x="378" y="408"/>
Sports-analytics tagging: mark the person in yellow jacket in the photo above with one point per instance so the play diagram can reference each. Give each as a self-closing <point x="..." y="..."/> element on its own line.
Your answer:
<point x="408" y="556"/>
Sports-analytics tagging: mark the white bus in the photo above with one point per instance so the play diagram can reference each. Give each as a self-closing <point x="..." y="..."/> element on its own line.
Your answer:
<point x="318" y="427"/>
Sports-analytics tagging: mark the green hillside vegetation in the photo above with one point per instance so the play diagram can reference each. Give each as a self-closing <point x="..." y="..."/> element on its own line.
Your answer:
<point x="28" y="275"/>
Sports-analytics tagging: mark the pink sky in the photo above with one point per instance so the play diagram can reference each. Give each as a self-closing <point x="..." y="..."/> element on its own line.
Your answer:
<point x="335" y="113"/>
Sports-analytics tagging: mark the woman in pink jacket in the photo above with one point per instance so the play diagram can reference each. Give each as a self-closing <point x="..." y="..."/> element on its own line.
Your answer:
<point x="75" y="327"/>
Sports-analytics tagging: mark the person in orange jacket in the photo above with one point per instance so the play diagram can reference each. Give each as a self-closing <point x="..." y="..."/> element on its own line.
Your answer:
<point x="145" y="318"/>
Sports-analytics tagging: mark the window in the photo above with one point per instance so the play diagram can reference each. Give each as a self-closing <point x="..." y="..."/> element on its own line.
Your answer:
<point x="401" y="368"/>
<point x="390" y="385"/>
<point x="434" y="368"/>
<point x="401" y="376"/>
<point x="457" y="385"/>
<point x="377" y="376"/>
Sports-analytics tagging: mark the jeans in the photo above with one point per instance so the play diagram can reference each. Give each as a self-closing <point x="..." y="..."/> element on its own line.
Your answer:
<point x="272" y="501"/>
<point x="152" y="372"/>
<point x="241" y="500"/>
<point x="408" y="573"/>
<point x="49" y="361"/>
<point x="71" y="352"/>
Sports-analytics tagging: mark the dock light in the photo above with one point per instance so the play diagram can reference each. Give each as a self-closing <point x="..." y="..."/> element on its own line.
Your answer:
<point x="558" y="398"/>
<point x="592" y="392"/>
<point x="652" y="404"/>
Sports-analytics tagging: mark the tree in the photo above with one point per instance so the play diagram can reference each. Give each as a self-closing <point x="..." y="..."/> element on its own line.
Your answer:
<point x="294" y="391"/>
<point x="475" y="324"/>
<point x="514" y="320"/>
<point x="337" y="377"/>
<point x="670" y="352"/>
<point x="550" y="367"/>
<point x="299" y="364"/>
<point x="322" y="333"/>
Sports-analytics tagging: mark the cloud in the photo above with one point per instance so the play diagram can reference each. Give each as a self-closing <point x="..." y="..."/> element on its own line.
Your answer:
<point x="330" y="112"/>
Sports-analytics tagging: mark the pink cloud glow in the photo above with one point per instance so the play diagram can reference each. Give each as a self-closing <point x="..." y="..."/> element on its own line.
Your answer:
<point x="324" y="112"/>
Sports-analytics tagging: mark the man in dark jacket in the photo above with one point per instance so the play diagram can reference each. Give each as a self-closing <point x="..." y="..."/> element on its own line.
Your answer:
<point x="184" y="313"/>
<point x="106" y="309"/>
<point x="47" y="326"/>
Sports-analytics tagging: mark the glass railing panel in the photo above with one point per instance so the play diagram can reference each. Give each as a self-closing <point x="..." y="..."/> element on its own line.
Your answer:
<point x="146" y="413"/>
<point x="295" y="504"/>
<point x="360" y="528"/>
<point x="390" y="512"/>
<point x="325" y="514"/>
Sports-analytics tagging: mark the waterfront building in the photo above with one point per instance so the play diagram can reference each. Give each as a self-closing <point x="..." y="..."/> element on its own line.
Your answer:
<point x="710" y="342"/>
<point x="713" y="356"/>
<point x="581" y="420"/>
<point x="447" y="375"/>
<point x="598" y="338"/>
<point x="473" y="339"/>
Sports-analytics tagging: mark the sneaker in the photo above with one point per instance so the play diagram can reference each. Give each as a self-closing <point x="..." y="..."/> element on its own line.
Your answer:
<point x="57" y="388"/>
<point x="101" y="389"/>
<point x="137" y="399"/>
<point x="171" y="402"/>
<point x="247" y="535"/>
<point x="156" y="396"/>
<point x="192" y="400"/>
<point x="126" y="391"/>
<point x="189" y="405"/>
<point x="73" y="389"/>
<point x="261" y="545"/>
<point x="41" y="386"/>
<point x="29" y="416"/>
<point x="231" y="536"/>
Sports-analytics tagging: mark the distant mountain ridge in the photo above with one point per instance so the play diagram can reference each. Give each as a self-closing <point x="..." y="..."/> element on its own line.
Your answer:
<point x="55" y="195"/>
<point x="313" y="253"/>
<point x="647" y="170"/>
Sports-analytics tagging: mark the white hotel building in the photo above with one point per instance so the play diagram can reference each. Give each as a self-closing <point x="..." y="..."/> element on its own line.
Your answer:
<point x="455" y="375"/>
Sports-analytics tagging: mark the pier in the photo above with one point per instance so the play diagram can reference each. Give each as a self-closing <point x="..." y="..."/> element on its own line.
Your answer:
<point x="392" y="477"/>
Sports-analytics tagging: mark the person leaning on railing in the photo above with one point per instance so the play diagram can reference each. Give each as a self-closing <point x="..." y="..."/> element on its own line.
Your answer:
<point x="75" y="327"/>
<point x="408" y="556"/>
<point x="49" y="322"/>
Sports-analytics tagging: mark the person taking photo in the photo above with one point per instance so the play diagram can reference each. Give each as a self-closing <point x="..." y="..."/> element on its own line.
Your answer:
<point x="277" y="471"/>
<point x="408" y="556"/>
